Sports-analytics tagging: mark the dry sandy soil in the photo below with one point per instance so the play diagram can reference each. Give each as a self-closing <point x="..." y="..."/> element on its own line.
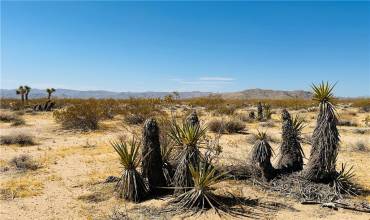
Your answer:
<point x="70" y="182"/>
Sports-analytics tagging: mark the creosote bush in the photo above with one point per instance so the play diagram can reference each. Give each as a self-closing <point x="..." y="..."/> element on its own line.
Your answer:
<point x="21" y="139"/>
<point x="85" y="115"/>
<point x="229" y="126"/>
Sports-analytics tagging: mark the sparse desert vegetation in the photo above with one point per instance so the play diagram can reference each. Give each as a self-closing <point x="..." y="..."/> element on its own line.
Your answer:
<point x="116" y="158"/>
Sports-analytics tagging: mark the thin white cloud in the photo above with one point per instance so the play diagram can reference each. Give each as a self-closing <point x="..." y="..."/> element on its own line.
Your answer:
<point x="216" y="78"/>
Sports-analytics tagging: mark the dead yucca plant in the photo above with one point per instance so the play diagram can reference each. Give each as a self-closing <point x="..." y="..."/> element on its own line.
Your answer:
<point x="325" y="138"/>
<point x="291" y="152"/>
<point x="131" y="186"/>
<point x="200" y="197"/>
<point x="261" y="156"/>
<point x="185" y="136"/>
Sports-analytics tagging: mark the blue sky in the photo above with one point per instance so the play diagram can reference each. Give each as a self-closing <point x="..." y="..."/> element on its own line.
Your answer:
<point x="186" y="46"/>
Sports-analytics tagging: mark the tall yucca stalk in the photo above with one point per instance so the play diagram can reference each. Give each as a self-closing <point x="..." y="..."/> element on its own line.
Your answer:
<point x="131" y="186"/>
<point x="325" y="138"/>
<point x="187" y="137"/>
<point x="261" y="156"/>
<point x="200" y="197"/>
<point x="291" y="153"/>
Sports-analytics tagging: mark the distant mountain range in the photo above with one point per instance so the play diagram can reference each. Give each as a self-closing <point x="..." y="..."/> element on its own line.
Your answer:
<point x="100" y="94"/>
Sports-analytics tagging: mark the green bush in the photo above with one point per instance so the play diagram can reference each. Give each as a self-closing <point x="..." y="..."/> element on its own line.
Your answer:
<point x="85" y="115"/>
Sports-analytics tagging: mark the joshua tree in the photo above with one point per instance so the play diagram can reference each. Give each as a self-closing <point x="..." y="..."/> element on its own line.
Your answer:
<point x="152" y="160"/>
<point x="192" y="118"/>
<point x="50" y="91"/>
<point x="325" y="138"/>
<point x="176" y="94"/>
<point x="28" y="90"/>
<point x="261" y="156"/>
<point x="259" y="111"/>
<point x="291" y="153"/>
<point x="187" y="137"/>
<point x="131" y="186"/>
<point x="21" y="91"/>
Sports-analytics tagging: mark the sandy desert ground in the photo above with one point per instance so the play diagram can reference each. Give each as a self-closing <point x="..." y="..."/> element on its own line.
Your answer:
<point x="74" y="165"/>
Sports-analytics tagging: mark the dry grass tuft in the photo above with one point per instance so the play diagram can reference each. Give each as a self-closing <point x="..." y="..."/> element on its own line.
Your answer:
<point x="25" y="186"/>
<point x="24" y="162"/>
<point x="21" y="139"/>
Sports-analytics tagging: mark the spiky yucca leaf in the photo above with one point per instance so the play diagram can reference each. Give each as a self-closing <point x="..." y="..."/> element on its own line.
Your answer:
<point x="323" y="92"/>
<point x="186" y="134"/>
<point x="262" y="150"/>
<point x="200" y="197"/>
<point x="343" y="181"/>
<point x="128" y="152"/>
<point x="131" y="186"/>
<point x="298" y="124"/>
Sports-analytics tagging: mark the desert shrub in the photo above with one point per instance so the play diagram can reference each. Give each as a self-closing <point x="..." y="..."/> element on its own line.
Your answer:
<point x="136" y="111"/>
<point x="245" y="118"/>
<point x="17" y="138"/>
<point x="84" y="116"/>
<point x="18" y="122"/>
<point x="24" y="162"/>
<point x="234" y="126"/>
<point x="133" y="119"/>
<point x="360" y="146"/>
<point x="225" y="109"/>
<point x="344" y="122"/>
<point x="230" y="126"/>
<point x="8" y="117"/>
<point x="216" y="126"/>
<point x="360" y="131"/>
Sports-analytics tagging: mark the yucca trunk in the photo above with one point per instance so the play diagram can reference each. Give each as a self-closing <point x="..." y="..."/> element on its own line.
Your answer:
<point x="49" y="95"/>
<point x="131" y="186"/>
<point x="291" y="158"/>
<point x="182" y="177"/>
<point x="152" y="159"/>
<point x="325" y="143"/>
<point x="193" y="119"/>
<point x="259" y="111"/>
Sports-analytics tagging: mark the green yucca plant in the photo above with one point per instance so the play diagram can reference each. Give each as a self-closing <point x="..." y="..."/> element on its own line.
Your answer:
<point x="261" y="155"/>
<point x="186" y="136"/>
<point x="200" y="197"/>
<point x="325" y="138"/>
<point x="263" y="150"/>
<point x="323" y="92"/>
<point x="343" y="181"/>
<point x="131" y="185"/>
